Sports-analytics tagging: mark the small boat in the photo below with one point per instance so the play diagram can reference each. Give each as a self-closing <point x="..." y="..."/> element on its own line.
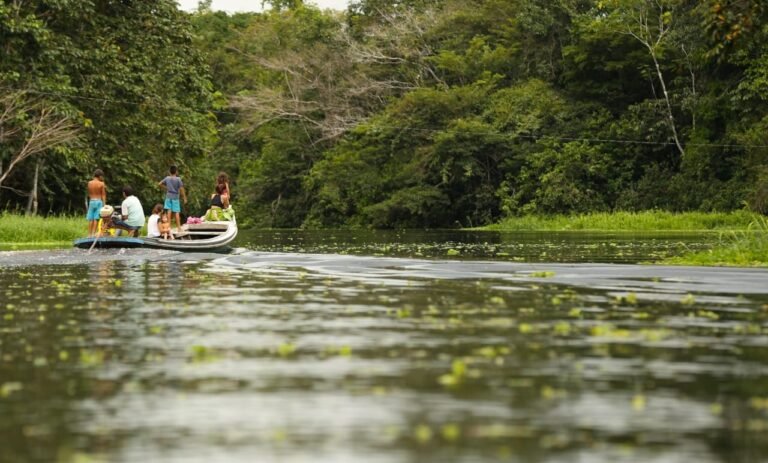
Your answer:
<point x="206" y="236"/>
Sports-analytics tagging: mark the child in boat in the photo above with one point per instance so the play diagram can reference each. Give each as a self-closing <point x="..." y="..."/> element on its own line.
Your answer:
<point x="105" y="226"/>
<point x="153" y="231"/>
<point x="97" y="198"/>
<point x="164" y="227"/>
<point x="174" y="190"/>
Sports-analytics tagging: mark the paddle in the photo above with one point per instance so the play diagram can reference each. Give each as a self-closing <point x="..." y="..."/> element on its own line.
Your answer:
<point x="98" y="235"/>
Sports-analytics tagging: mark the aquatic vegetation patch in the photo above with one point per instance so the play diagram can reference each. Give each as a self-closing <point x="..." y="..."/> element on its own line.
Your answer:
<point x="747" y="248"/>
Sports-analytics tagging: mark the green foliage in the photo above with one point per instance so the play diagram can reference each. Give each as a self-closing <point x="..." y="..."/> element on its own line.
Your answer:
<point x="743" y="248"/>
<point x="630" y="221"/>
<point x="20" y="229"/>
<point x="571" y="177"/>
<point x="130" y="72"/>
<point x="415" y="113"/>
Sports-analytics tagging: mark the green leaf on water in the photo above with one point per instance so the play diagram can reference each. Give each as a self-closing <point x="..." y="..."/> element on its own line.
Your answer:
<point x="286" y="349"/>
<point x="689" y="299"/>
<point x="451" y="432"/>
<point x="6" y="389"/>
<point x="422" y="434"/>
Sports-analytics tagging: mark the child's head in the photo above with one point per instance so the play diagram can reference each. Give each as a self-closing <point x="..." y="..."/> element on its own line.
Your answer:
<point x="164" y="218"/>
<point x="98" y="173"/>
<point x="173" y="170"/>
<point x="157" y="209"/>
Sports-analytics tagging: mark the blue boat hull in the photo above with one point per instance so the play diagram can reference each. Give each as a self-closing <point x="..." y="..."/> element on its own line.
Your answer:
<point x="109" y="242"/>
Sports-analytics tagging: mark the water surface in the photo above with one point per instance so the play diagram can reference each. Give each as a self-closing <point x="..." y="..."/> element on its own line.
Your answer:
<point x="297" y="357"/>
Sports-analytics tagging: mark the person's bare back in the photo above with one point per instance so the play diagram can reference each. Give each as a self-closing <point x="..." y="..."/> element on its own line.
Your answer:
<point x="96" y="190"/>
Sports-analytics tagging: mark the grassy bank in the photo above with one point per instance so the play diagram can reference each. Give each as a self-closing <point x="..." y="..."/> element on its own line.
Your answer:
<point x="40" y="231"/>
<point x="743" y="249"/>
<point x="650" y="221"/>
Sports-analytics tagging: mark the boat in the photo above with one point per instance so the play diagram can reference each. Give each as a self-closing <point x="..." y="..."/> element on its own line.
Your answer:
<point x="205" y="236"/>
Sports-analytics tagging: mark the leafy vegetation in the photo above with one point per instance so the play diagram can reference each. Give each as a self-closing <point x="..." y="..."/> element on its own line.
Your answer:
<point x="19" y="229"/>
<point x="413" y="113"/>
<point x="631" y="221"/>
<point x="744" y="249"/>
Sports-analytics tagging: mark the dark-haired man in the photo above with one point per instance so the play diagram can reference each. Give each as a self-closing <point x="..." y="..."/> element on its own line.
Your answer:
<point x="97" y="197"/>
<point x="132" y="213"/>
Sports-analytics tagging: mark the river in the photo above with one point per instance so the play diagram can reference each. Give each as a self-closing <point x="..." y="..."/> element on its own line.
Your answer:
<point x="384" y="347"/>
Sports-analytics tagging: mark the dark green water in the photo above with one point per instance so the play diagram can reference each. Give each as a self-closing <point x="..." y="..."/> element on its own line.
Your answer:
<point x="344" y="356"/>
<point x="506" y="246"/>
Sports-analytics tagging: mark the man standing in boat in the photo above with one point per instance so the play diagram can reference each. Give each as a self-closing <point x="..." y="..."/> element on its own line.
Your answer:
<point x="97" y="197"/>
<point x="132" y="213"/>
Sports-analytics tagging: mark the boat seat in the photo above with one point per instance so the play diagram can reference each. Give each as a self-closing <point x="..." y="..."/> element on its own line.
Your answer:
<point x="211" y="232"/>
<point x="206" y="226"/>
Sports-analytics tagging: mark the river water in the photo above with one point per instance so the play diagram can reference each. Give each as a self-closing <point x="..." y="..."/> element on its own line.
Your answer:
<point x="394" y="347"/>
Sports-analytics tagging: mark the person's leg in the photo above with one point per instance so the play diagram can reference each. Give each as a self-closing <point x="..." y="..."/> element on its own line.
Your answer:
<point x="176" y="208"/>
<point x="168" y="209"/>
<point x="92" y="216"/>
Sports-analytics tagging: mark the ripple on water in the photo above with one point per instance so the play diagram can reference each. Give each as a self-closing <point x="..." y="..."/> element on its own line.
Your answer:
<point x="350" y="358"/>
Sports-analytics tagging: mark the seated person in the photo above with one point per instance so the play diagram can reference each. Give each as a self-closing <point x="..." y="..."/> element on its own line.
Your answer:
<point x="219" y="202"/>
<point x="132" y="218"/>
<point x="152" y="224"/>
<point x="164" y="227"/>
<point x="105" y="225"/>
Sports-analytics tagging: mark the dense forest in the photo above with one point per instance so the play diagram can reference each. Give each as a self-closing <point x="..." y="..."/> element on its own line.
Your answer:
<point x="394" y="113"/>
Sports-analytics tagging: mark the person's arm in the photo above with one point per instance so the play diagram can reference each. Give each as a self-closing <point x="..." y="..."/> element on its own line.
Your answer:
<point x="162" y="184"/>
<point x="225" y="201"/>
<point x="183" y="194"/>
<point x="104" y="193"/>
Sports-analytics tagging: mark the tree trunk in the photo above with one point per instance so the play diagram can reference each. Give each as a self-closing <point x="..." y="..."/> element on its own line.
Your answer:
<point x="32" y="202"/>
<point x="670" y="116"/>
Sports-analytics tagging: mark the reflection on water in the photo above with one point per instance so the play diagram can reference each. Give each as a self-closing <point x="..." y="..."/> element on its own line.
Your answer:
<point x="285" y="357"/>
<point x="511" y="246"/>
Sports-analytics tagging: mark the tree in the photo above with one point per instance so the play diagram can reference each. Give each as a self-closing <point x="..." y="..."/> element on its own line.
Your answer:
<point x="125" y="72"/>
<point x="651" y="23"/>
<point x="30" y="127"/>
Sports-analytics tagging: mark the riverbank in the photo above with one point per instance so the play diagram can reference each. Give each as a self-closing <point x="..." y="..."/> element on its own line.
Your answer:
<point x="646" y="221"/>
<point x="743" y="243"/>
<point x="742" y="249"/>
<point x="17" y="231"/>
<point x="740" y="238"/>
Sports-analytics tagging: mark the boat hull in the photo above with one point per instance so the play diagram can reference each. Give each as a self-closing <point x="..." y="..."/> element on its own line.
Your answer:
<point x="208" y="236"/>
<point x="109" y="242"/>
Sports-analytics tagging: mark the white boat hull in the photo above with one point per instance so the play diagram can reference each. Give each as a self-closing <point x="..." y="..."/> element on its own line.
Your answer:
<point x="207" y="236"/>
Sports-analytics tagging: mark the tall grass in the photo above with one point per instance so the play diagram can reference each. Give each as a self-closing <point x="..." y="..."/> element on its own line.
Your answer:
<point x="744" y="249"/>
<point x="630" y="221"/>
<point x="21" y="229"/>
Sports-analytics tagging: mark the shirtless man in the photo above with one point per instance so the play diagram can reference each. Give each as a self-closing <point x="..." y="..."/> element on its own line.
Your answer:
<point x="97" y="197"/>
